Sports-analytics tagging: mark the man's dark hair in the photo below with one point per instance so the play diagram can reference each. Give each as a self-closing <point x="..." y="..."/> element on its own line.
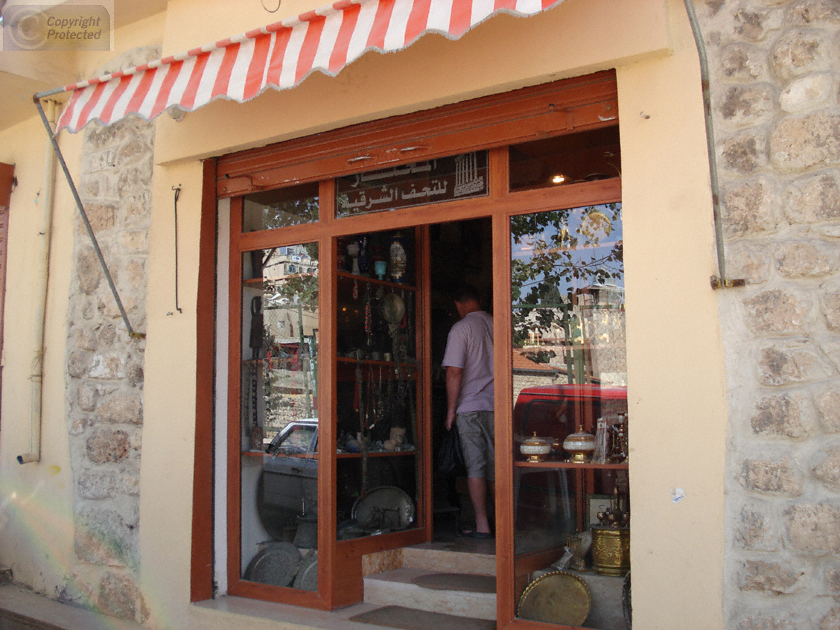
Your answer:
<point x="465" y="293"/>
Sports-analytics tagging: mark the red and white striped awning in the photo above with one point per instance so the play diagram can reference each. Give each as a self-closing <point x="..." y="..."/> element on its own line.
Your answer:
<point x="277" y="56"/>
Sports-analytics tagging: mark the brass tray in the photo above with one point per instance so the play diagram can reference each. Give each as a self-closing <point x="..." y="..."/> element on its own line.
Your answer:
<point x="558" y="597"/>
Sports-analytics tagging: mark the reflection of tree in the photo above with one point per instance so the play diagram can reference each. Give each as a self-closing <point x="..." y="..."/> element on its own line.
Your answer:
<point x="568" y="250"/>
<point x="297" y="288"/>
<point x="290" y="212"/>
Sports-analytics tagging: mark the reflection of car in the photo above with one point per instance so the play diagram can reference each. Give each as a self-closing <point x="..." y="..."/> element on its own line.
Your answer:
<point x="555" y="411"/>
<point x="288" y="486"/>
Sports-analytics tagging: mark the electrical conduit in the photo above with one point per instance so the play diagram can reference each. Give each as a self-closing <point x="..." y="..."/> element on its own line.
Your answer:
<point x="36" y="378"/>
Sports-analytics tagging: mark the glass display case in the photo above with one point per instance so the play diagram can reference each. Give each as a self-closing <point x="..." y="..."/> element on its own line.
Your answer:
<point x="279" y="416"/>
<point x="571" y="498"/>
<point x="376" y="411"/>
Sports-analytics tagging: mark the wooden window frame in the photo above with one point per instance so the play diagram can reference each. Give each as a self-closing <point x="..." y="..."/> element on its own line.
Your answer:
<point x="493" y="123"/>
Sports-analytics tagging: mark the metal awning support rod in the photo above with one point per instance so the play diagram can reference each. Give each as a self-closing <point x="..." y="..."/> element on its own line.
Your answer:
<point x="69" y="178"/>
<point x="721" y="281"/>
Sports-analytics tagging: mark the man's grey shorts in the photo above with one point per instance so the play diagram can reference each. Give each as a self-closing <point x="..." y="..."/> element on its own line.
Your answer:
<point x="477" y="433"/>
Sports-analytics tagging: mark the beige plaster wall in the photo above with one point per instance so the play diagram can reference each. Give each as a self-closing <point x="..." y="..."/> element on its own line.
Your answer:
<point x="36" y="511"/>
<point x="676" y="374"/>
<point x="574" y="38"/>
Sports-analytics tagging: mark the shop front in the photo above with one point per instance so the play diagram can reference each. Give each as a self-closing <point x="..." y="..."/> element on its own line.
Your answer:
<point x="339" y="307"/>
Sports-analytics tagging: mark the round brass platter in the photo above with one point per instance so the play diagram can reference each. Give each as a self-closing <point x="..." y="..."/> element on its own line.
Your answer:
<point x="393" y="308"/>
<point x="558" y="597"/>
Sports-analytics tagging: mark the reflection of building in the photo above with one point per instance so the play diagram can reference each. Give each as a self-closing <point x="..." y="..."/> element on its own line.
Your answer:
<point x="586" y="340"/>
<point x="529" y="373"/>
<point x="285" y="261"/>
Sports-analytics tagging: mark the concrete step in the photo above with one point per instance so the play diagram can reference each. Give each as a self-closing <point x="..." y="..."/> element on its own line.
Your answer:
<point x="476" y="557"/>
<point x="396" y="588"/>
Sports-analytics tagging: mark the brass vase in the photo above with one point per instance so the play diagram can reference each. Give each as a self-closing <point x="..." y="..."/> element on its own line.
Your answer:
<point x="610" y="550"/>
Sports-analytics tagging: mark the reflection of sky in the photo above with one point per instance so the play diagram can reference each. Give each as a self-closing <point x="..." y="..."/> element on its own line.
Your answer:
<point x="582" y="254"/>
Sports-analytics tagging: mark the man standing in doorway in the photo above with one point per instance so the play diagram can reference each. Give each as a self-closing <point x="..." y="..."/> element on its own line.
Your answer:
<point x="469" y="391"/>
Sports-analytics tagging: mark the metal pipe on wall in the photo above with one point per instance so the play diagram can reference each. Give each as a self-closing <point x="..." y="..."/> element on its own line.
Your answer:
<point x="719" y="281"/>
<point x="36" y="378"/>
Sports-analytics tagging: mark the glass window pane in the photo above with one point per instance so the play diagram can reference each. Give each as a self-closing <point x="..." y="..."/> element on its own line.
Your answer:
<point x="280" y="208"/>
<point x="571" y="493"/>
<point x="377" y="398"/>
<point x="443" y="179"/>
<point x="568" y="159"/>
<point x="279" y="416"/>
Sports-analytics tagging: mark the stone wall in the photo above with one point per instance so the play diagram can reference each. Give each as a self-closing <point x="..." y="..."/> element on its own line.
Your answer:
<point x="105" y="367"/>
<point x="775" y="87"/>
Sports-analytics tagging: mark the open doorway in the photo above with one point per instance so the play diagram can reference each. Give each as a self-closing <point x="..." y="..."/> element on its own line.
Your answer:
<point x="460" y="253"/>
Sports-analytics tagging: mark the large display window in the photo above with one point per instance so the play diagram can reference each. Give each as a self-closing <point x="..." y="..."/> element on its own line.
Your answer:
<point x="340" y="301"/>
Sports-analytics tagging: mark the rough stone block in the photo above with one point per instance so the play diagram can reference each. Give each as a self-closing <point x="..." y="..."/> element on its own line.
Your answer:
<point x="769" y="577"/>
<point x="830" y="302"/>
<point x="776" y="312"/>
<point x="135" y="240"/>
<point x="750" y="208"/>
<point x="799" y="143"/>
<point x="748" y="260"/>
<point x="831" y="621"/>
<point x="751" y="104"/>
<point x="767" y="623"/>
<point x="828" y="470"/>
<point x="828" y="406"/>
<point x="800" y="259"/>
<point x="814" y="198"/>
<point x="135" y="150"/>
<point x="119" y="596"/>
<point x="832" y="579"/>
<point x="135" y="274"/>
<point x="88" y="270"/>
<point x="772" y="477"/>
<point x="121" y="409"/>
<point x="791" y="362"/>
<point x="96" y="484"/>
<point x="78" y="363"/>
<point x="807" y="12"/>
<point x="813" y="528"/>
<point x="78" y="426"/>
<point x="137" y="206"/>
<point x="133" y="180"/>
<point x="809" y="92"/>
<point x="745" y="153"/>
<point x="798" y="52"/>
<point x="754" y="25"/>
<point x="135" y="375"/>
<point x="742" y="62"/>
<point x="101" y="536"/>
<point x="109" y="366"/>
<point x="107" y="446"/>
<point x="779" y="416"/>
<point x="101" y="216"/>
<point x="754" y="532"/>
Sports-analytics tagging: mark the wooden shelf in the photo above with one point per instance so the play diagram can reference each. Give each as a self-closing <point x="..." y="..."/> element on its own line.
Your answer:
<point x="554" y="464"/>
<point x="272" y="455"/>
<point x="376" y="281"/>
<point x="376" y="454"/>
<point x="352" y="361"/>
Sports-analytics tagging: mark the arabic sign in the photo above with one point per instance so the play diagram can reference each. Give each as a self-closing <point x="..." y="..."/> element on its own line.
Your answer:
<point x="444" y="179"/>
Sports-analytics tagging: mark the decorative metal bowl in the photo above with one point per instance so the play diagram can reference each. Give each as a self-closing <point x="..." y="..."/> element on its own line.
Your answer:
<point x="535" y="448"/>
<point x="580" y="446"/>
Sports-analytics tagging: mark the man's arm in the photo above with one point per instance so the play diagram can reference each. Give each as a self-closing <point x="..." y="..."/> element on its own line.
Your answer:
<point x="453" y="390"/>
